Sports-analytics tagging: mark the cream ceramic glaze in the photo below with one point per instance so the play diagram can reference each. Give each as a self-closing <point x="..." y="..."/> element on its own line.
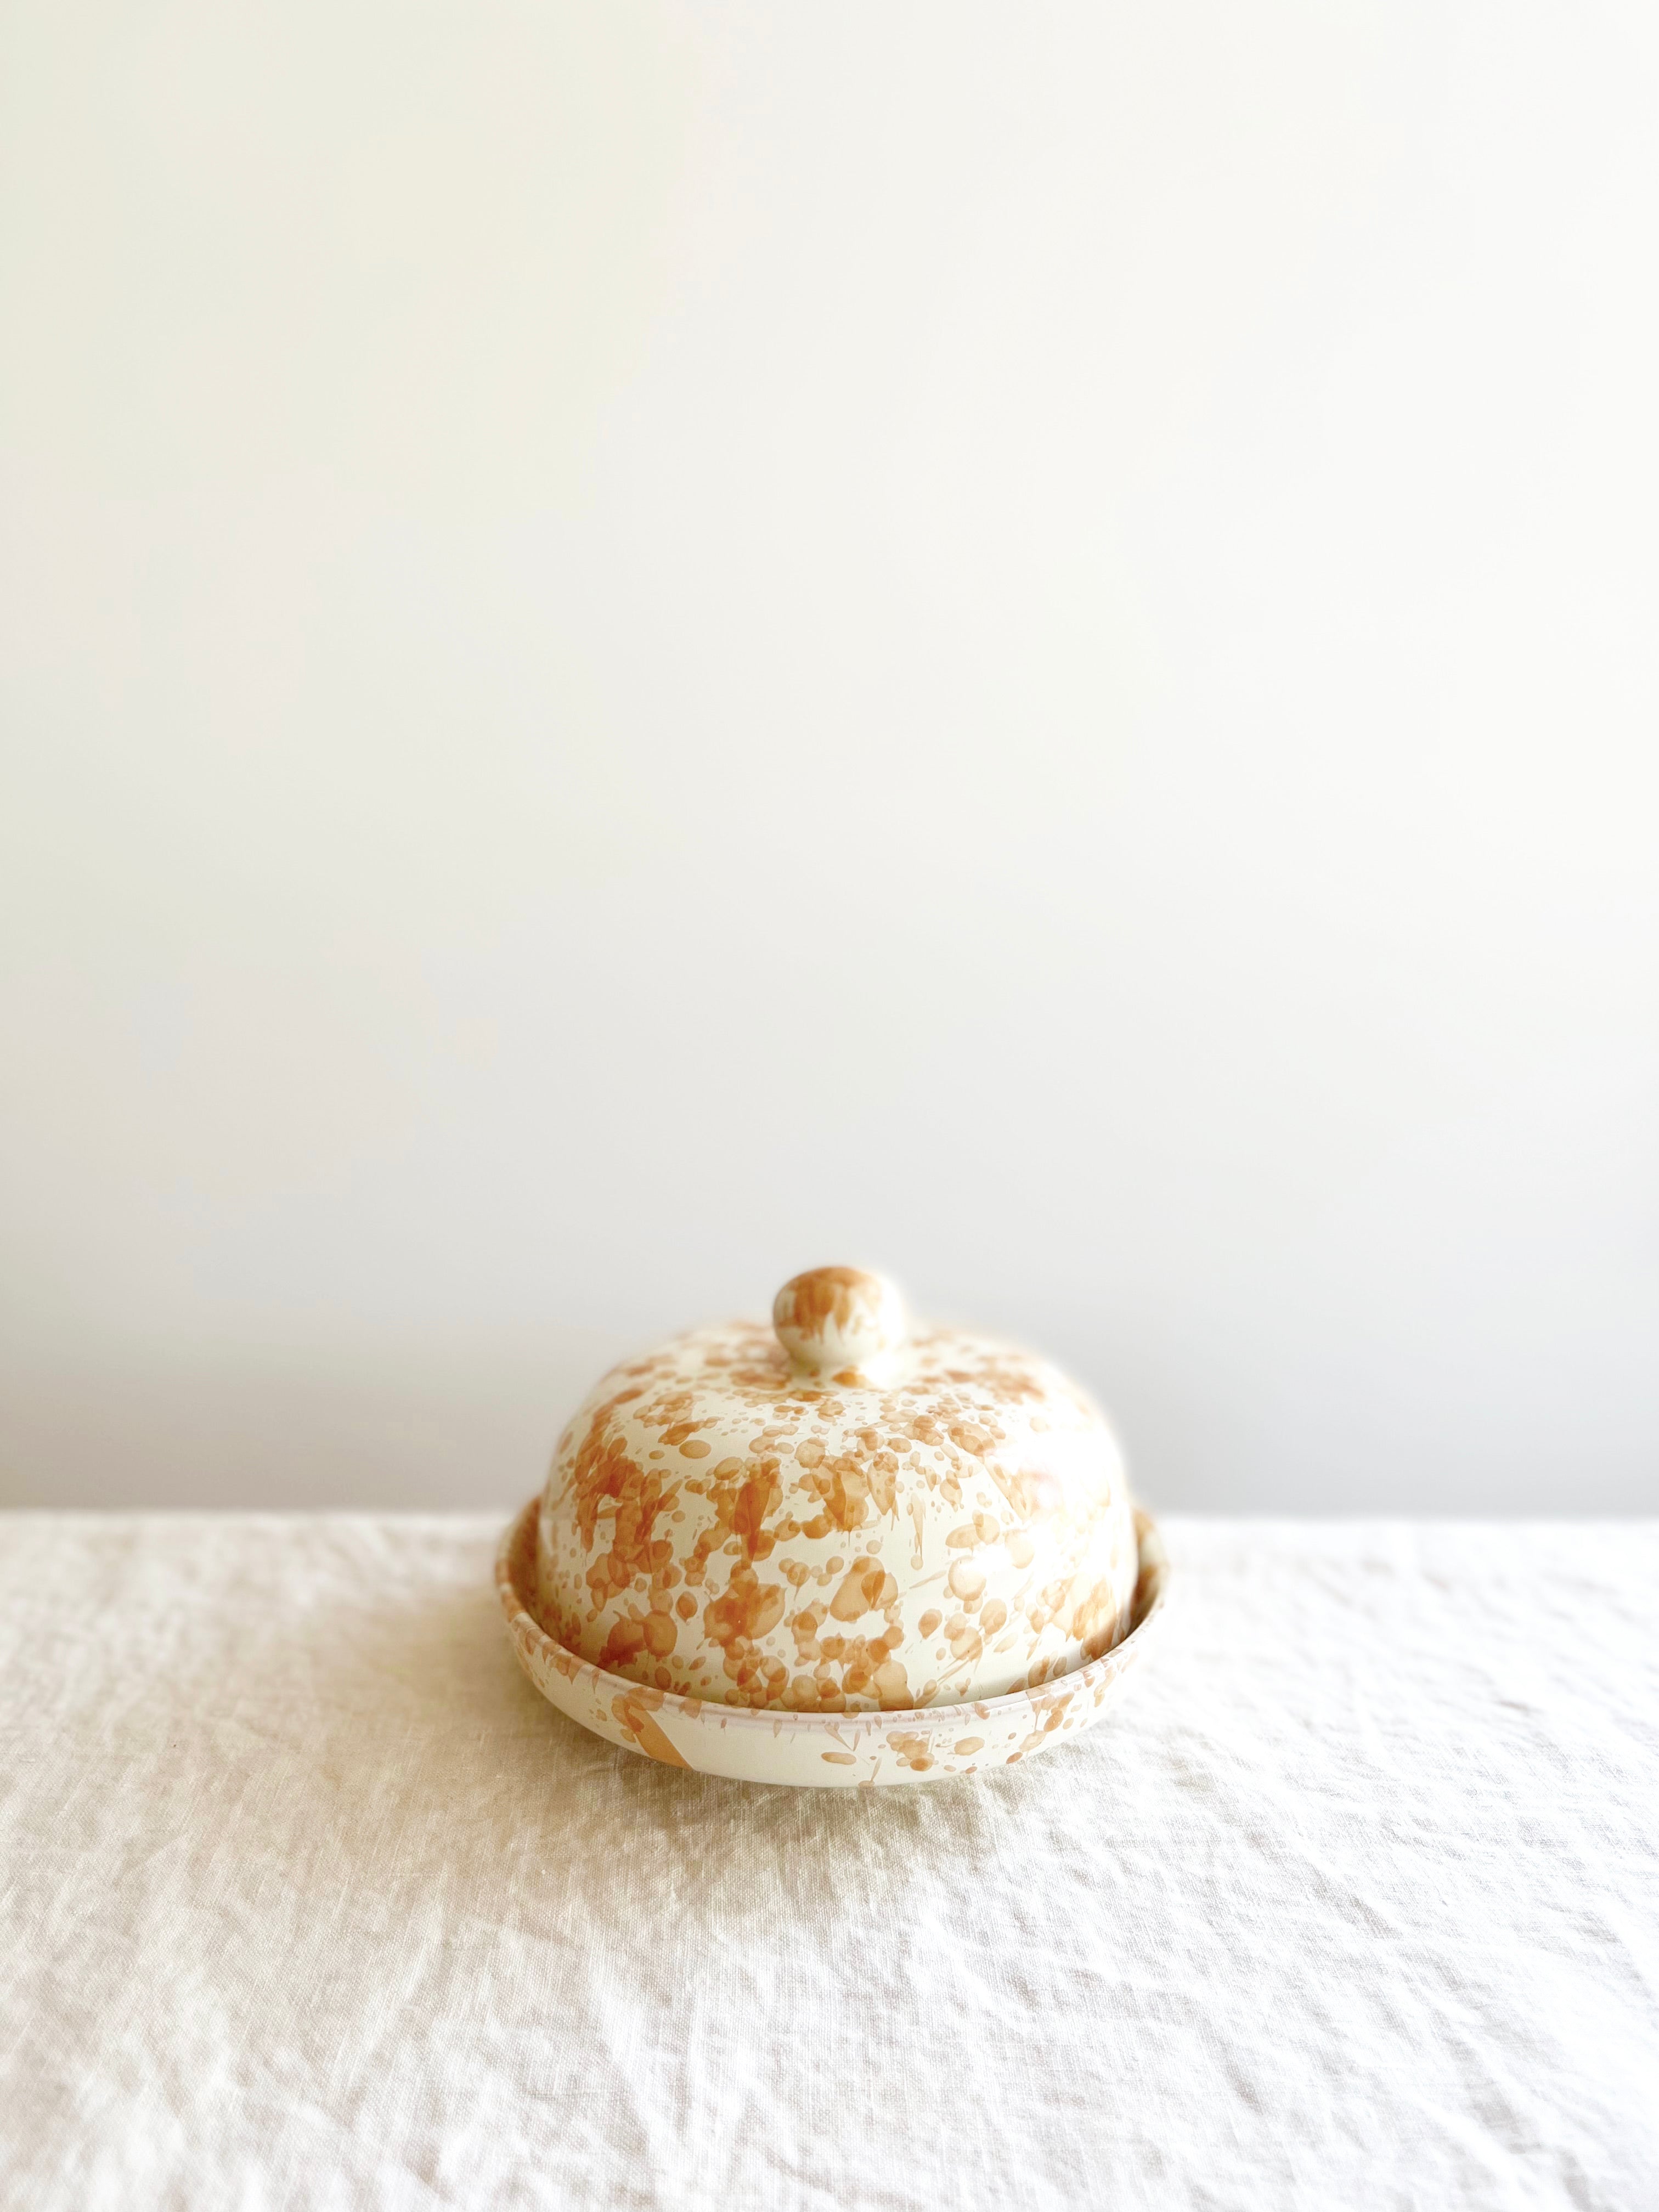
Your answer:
<point x="822" y="1750"/>
<point x="840" y="1517"/>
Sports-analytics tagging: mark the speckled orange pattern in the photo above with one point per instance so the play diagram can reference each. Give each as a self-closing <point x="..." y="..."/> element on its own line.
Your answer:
<point x="825" y="1749"/>
<point x="946" y="1521"/>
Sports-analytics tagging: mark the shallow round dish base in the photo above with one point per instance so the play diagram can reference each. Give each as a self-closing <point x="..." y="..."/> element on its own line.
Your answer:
<point x="821" y="1750"/>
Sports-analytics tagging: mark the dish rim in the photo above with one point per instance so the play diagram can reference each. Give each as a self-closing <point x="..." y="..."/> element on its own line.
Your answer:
<point x="1146" y="1610"/>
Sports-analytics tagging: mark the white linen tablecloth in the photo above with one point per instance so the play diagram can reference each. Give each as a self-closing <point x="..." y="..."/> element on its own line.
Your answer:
<point x="309" y="1900"/>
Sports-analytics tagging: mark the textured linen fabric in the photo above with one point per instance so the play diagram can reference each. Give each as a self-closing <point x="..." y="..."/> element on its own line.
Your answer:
<point x="308" y="1899"/>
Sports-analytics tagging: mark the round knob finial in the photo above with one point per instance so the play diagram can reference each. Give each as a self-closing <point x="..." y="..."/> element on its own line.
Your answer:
<point x="832" y="1319"/>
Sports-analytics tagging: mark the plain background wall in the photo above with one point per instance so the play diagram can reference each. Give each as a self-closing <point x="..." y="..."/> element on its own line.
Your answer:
<point x="647" y="645"/>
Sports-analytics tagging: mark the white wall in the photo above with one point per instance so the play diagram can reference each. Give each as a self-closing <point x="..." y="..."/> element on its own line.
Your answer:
<point x="644" y="646"/>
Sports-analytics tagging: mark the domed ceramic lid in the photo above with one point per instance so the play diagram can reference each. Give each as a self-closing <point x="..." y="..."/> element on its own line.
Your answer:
<point x="837" y="1512"/>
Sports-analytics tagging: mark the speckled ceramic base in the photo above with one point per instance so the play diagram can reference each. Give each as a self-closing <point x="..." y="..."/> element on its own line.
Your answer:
<point x="820" y="1749"/>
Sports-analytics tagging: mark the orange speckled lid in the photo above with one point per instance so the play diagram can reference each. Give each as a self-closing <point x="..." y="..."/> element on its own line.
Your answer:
<point x="839" y="1511"/>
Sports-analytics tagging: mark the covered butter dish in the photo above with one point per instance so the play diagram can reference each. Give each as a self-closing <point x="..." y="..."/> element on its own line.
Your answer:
<point x="839" y="1549"/>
